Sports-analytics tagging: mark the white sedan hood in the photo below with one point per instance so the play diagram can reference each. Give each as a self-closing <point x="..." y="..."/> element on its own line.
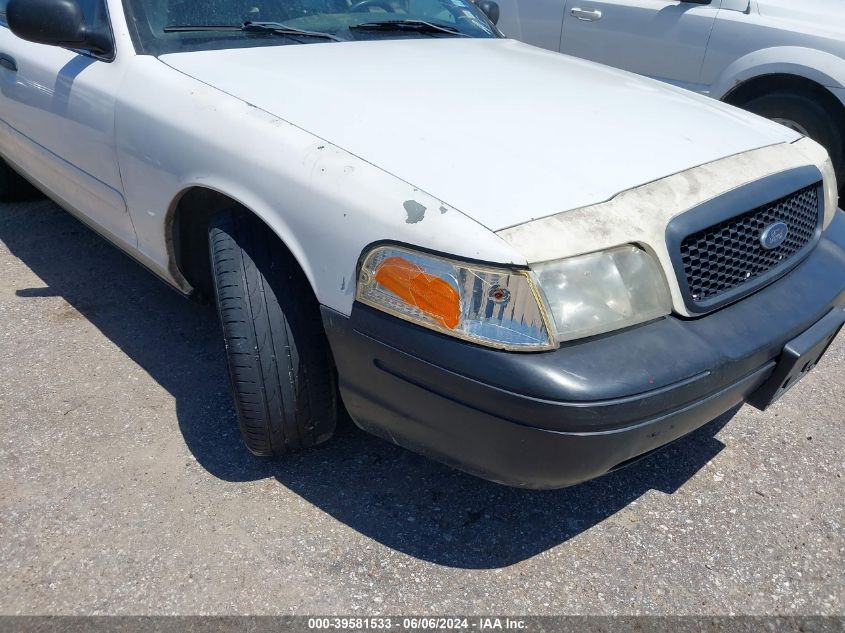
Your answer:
<point x="500" y="130"/>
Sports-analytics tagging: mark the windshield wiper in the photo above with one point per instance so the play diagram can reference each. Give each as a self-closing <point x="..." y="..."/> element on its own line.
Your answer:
<point x="252" y="27"/>
<point x="284" y="29"/>
<point x="418" y="26"/>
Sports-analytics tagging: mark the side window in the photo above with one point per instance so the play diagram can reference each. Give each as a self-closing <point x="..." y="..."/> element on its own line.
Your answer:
<point x="3" y="4"/>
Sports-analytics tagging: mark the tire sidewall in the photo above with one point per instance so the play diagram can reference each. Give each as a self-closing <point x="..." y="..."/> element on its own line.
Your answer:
<point x="275" y="343"/>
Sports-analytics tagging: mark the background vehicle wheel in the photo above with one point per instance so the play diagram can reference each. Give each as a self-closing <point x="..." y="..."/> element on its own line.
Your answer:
<point x="281" y="371"/>
<point x="14" y="186"/>
<point x="809" y="116"/>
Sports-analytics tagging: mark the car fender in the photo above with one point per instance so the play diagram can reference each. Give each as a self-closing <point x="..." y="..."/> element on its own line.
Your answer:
<point x="823" y="68"/>
<point x="326" y="204"/>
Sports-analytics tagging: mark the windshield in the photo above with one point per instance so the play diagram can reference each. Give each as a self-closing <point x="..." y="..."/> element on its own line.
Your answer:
<point x="167" y="26"/>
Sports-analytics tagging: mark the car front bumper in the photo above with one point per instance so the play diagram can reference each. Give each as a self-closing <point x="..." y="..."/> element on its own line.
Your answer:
<point x="553" y="419"/>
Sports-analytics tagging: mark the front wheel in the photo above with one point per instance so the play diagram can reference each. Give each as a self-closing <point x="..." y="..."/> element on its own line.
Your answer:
<point x="809" y="116"/>
<point x="281" y="372"/>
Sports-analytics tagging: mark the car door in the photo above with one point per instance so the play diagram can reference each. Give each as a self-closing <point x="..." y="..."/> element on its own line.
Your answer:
<point x="59" y="106"/>
<point x="664" y="39"/>
<point x="536" y="22"/>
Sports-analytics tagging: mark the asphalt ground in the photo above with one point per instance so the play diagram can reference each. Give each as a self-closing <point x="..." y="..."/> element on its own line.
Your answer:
<point x="124" y="488"/>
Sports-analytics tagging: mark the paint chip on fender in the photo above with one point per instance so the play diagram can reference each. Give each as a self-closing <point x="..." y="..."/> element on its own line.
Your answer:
<point x="415" y="211"/>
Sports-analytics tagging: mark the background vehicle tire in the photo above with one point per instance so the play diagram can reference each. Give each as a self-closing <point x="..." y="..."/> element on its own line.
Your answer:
<point x="808" y="115"/>
<point x="13" y="186"/>
<point x="282" y="375"/>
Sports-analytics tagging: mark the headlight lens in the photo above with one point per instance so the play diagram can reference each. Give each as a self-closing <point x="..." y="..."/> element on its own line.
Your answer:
<point x="495" y="307"/>
<point x="596" y="293"/>
<point x="831" y="191"/>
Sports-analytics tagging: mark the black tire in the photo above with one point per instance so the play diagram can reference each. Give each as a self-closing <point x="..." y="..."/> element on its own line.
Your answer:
<point x="823" y="123"/>
<point x="13" y="186"/>
<point x="282" y="376"/>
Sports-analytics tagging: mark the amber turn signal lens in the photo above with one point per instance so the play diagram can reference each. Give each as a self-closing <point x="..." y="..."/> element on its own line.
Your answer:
<point x="431" y="294"/>
<point x="496" y="306"/>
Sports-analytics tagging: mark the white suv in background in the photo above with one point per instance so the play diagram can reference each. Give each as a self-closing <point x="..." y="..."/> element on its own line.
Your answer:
<point x="782" y="59"/>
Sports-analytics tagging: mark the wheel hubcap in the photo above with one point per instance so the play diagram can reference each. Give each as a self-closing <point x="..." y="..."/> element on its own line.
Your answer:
<point x="792" y="125"/>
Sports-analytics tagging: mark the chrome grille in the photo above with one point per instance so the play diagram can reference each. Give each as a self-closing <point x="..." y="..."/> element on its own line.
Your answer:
<point x="727" y="255"/>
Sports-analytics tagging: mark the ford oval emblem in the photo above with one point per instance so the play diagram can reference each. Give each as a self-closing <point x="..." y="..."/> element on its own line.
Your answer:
<point x="774" y="235"/>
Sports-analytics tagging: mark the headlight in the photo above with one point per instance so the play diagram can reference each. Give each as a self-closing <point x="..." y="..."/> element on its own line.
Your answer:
<point x="495" y="307"/>
<point x="595" y="293"/>
<point x="831" y="192"/>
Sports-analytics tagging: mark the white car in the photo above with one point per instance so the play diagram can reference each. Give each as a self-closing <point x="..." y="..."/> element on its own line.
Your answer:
<point x="529" y="266"/>
<point x="782" y="59"/>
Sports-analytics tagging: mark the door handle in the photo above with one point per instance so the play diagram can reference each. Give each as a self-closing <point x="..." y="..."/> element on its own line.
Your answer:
<point x="8" y="62"/>
<point x="588" y="15"/>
